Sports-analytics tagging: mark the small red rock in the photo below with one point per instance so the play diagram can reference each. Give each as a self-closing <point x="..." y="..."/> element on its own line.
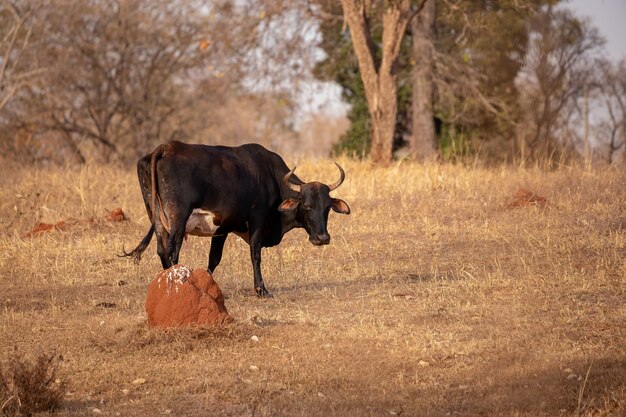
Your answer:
<point x="115" y="215"/>
<point x="179" y="296"/>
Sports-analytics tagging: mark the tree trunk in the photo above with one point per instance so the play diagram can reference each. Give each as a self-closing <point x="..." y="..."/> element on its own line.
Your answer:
<point x="384" y="118"/>
<point x="423" y="141"/>
<point x="379" y="81"/>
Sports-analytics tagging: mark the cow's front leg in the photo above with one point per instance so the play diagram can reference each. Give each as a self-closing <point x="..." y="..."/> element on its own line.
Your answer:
<point x="255" y="255"/>
<point x="215" y="254"/>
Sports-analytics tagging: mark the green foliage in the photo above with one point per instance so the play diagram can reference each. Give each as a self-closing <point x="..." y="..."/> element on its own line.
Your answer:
<point x="356" y="140"/>
<point x="453" y="144"/>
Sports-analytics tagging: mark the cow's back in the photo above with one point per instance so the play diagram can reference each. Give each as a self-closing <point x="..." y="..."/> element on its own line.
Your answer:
<point x="240" y="182"/>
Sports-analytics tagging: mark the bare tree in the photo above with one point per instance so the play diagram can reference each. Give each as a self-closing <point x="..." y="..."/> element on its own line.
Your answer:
<point x="119" y="73"/>
<point x="559" y="66"/>
<point x="15" y="33"/>
<point x="124" y="75"/>
<point x="612" y="93"/>
<point x="380" y="75"/>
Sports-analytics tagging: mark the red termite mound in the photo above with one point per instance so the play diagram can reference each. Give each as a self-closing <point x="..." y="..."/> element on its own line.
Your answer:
<point x="179" y="296"/>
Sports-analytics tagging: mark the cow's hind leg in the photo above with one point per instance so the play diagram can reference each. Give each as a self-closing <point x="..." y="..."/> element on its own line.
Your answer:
<point x="174" y="243"/>
<point x="162" y="238"/>
<point x="177" y="234"/>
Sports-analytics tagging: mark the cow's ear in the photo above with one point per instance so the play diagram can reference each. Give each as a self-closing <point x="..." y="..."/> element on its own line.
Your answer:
<point x="288" y="205"/>
<point x="340" y="206"/>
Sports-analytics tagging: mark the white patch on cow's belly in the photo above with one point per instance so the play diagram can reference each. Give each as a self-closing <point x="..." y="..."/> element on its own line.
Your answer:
<point x="201" y="223"/>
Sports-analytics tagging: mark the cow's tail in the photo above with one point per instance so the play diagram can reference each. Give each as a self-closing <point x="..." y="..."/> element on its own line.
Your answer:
<point x="156" y="198"/>
<point x="138" y="251"/>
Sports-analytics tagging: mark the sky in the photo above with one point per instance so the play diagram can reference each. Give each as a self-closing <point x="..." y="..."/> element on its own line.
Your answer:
<point x="609" y="16"/>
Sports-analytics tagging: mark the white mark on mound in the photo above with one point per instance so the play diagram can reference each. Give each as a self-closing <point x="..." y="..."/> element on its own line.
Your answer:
<point x="175" y="277"/>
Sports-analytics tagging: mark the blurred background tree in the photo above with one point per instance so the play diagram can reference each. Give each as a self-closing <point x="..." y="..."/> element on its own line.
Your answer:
<point x="611" y="89"/>
<point x="108" y="80"/>
<point x="122" y="76"/>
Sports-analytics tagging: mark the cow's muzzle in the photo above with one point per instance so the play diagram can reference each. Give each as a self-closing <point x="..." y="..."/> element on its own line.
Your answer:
<point x="319" y="240"/>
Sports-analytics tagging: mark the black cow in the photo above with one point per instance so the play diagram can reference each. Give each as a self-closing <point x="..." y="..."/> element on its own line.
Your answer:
<point x="216" y="190"/>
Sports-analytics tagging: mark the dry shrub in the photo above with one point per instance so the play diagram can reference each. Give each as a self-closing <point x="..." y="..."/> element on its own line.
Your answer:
<point x="30" y="387"/>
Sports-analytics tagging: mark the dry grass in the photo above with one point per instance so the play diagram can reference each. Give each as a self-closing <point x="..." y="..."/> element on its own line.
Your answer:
<point x="433" y="299"/>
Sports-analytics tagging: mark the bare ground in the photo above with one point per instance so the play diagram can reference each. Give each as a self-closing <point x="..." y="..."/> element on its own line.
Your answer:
<point x="433" y="299"/>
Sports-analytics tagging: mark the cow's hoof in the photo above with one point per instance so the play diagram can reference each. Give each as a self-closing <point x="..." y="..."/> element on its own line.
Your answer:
<point x="263" y="293"/>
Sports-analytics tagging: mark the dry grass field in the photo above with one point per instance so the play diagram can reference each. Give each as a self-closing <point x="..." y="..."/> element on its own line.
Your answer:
<point x="433" y="299"/>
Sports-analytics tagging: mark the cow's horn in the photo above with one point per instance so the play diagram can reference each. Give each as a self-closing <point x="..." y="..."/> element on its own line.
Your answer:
<point x="334" y="185"/>
<point x="294" y="187"/>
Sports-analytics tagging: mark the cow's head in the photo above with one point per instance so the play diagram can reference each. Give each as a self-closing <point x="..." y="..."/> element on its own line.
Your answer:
<point x="312" y="205"/>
